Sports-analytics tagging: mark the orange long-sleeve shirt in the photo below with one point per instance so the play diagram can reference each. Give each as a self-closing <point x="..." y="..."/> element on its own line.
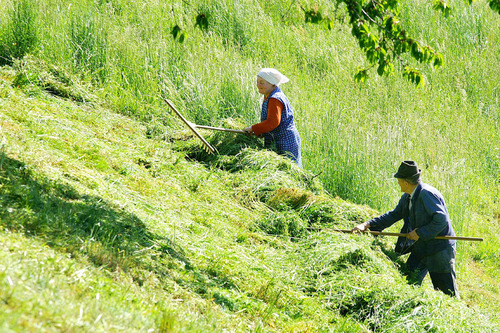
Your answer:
<point x="274" y="109"/>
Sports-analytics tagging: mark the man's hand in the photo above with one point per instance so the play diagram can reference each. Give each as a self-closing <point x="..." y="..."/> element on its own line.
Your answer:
<point x="361" y="228"/>
<point x="413" y="235"/>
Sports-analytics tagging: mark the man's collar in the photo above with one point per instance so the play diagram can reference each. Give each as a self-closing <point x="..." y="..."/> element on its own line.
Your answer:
<point x="413" y="192"/>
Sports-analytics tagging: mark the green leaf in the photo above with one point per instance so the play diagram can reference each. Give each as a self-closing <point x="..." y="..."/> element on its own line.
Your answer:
<point x="175" y="31"/>
<point x="416" y="51"/>
<point x="438" y="60"/>
<point x="328" y="23"/>
<point x="361" y="75"/>
<point x="442" y="6"/>
<point x="381" y="54"/>
<point x="495" y="5"/>
<point x="381" y="69"/>
<point x="389" y="24"/>
<point x="426" y="53"/>
<point x="178" y="34"/>
<point x="313" y="16"/>
<point x="390" y="68"/>
<point x="355" y="32"/>
<point x="182" y="37"/>
<point x="371" y="55"/>
<point x="393" y="5"/>
<point x="202" y="22"/>
<point x="415" y="76"/>
<point x="385" y="68"/>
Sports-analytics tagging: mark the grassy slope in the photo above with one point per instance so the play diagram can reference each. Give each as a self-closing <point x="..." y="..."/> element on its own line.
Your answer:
<point x="103" y="229"/>
<point x="107" y="229"/>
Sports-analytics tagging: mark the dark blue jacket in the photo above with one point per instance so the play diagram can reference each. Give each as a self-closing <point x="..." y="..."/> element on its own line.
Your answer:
<point x="428" y="214"/>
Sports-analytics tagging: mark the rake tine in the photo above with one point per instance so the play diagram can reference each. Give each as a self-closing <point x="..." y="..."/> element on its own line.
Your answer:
<point x="207" y="145"/>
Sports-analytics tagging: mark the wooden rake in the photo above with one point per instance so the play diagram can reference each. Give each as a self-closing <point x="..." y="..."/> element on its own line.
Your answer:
<point x="193" y="127"/>
<point x="398" y="234"/>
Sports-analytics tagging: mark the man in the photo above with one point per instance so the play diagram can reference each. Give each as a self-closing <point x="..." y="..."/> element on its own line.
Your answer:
<point x="423" y="210"/>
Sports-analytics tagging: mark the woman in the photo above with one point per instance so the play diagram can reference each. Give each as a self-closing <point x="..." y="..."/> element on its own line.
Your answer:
<point x="277" y="124"/>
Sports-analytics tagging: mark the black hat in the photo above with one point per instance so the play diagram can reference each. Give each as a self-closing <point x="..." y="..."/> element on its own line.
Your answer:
<point x="407" y="169"/>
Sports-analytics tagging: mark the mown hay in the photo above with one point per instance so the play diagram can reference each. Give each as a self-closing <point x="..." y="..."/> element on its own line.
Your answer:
<point x="282" y="224"/>
<point x="290" y="198"/>
<point x="34" y="75"/>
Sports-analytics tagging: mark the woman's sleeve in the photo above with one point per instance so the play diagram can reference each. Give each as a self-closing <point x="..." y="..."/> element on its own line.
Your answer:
<point x="274" y="109"/>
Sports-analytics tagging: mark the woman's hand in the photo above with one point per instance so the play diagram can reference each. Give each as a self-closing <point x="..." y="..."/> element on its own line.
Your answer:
<point x="248" y="130"/>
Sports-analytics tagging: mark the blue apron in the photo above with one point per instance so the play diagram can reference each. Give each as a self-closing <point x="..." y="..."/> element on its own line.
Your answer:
<point x="285" y="138"/>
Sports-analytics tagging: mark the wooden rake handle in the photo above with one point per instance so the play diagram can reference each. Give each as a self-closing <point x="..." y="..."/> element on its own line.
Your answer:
<point x="398" y="234"/>
<point x="220" y="129"/>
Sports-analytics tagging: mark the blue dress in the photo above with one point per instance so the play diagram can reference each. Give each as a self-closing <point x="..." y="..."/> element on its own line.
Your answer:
<point x="285" y="138"/>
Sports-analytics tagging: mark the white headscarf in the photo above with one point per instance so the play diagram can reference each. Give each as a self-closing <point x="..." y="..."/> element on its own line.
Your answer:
<point x="272" y="76"/>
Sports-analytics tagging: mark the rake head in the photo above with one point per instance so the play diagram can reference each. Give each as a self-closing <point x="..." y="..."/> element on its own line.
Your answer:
<point x="208" y="148"/>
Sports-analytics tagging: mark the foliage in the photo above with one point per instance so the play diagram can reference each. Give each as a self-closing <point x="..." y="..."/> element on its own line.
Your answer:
<point x="377" y="27"/>
<point x="178" y="34"/>
<point x="495" y="5"/>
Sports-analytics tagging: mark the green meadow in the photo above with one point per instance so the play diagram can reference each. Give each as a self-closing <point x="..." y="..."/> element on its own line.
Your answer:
<point x="114" y="218"/>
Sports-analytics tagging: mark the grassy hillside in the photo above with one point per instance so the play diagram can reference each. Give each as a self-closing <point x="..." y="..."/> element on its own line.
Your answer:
<point x="113" y="218"/>
<point x="104" y="229"/>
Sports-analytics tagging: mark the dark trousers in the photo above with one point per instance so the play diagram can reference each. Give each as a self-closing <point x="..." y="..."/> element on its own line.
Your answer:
<point x="441" y="268"/>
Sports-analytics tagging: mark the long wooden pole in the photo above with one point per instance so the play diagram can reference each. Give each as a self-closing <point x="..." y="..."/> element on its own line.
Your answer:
<point x="398" y="234"/>
<point x="220" y="129"/>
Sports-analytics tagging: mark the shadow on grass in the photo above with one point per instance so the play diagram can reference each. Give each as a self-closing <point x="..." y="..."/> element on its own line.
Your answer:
<point x="398" y="260"/>
<point x="88" y="226"/>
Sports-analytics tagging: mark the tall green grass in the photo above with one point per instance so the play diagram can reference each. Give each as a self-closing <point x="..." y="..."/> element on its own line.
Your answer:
<point x="89" y="45"/>
<point x="19" y="30"/>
